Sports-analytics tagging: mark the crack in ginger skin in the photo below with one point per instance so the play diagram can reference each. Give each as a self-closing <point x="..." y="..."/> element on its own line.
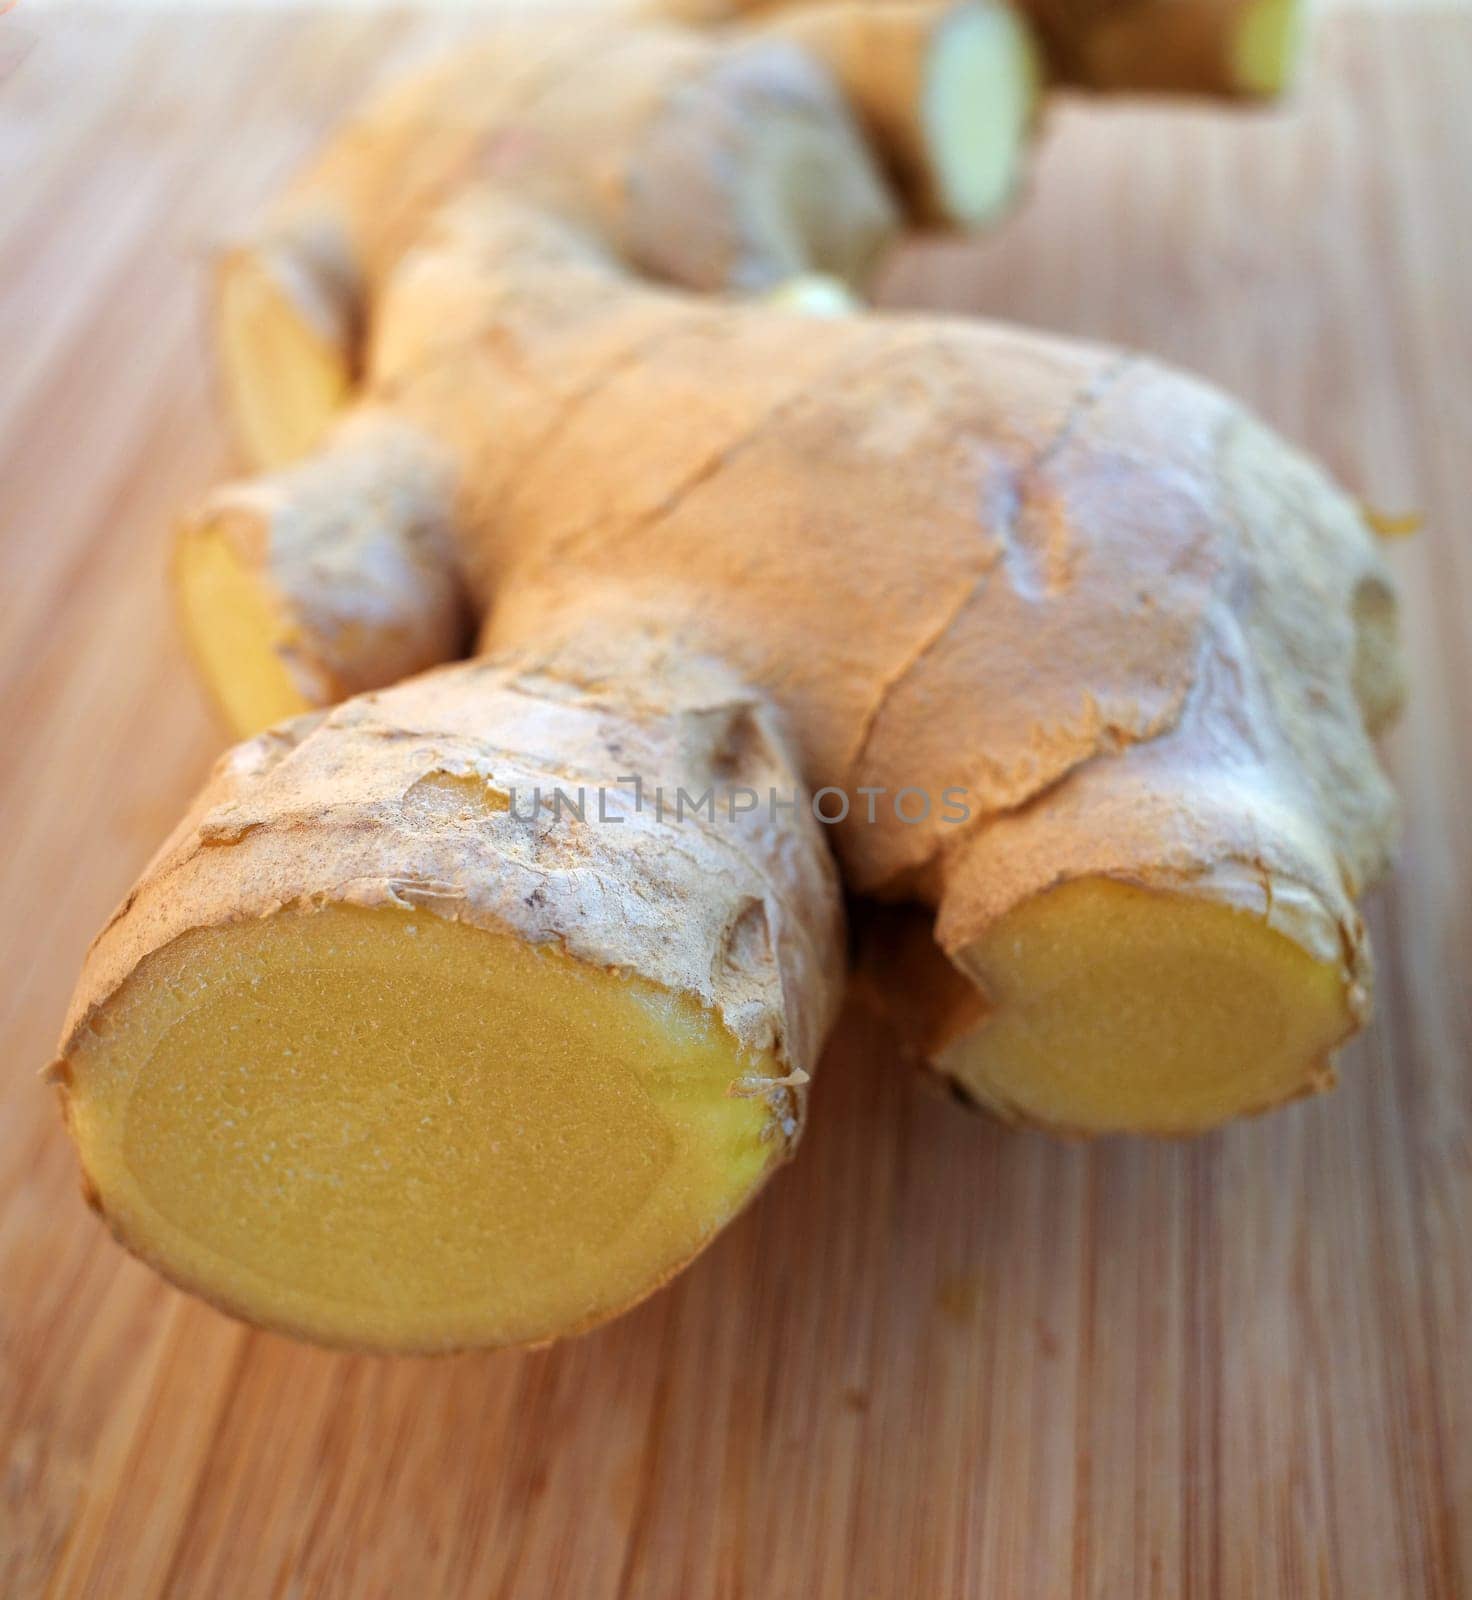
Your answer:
<point x="715" y="542"/>
<point x="1004" y="550"/>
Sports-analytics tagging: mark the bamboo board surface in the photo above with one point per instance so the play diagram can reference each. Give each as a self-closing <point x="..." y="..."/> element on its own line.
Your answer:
<point x="937" y="1358"/>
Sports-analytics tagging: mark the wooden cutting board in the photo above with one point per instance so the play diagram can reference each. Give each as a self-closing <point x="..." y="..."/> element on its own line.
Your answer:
<point x="938" y="1358"/>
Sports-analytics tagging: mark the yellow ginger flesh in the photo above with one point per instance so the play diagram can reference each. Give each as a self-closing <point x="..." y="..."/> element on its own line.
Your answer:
<point x="239" y="639"/>
<point x="386" y="1130"/>
<point x="1115" y="1008"/>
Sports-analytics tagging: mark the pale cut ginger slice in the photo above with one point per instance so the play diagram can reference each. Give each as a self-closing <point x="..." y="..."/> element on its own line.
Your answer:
<point x="391" y="1131"/>
<point x="979" y="108"/>
<point x="1110" y="1008"/>
<point x="239" y="638"/>
<point x="287" y="326"/>
<point x="1268" y="47"/>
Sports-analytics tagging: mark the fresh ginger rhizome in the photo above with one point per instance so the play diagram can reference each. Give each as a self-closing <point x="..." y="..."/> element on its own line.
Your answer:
<point x="580" y="457"/>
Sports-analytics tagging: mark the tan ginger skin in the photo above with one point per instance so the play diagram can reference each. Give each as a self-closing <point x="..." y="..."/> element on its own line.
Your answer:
<point x="375" y="1055"/>
<point x="1245" y="49"/>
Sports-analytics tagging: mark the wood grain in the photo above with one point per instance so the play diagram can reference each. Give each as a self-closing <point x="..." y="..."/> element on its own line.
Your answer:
<point x="938" y="1359"/>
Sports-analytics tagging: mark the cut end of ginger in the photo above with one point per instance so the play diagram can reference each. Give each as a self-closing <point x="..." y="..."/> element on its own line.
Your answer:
<point x="978" y="106"/>
<point x="1268" y="46"/>
<point x="386" y="1130"/>
<point x="237" y="633"/>
<point x="1116" y="1008"/>
<point x="284" y="380"/>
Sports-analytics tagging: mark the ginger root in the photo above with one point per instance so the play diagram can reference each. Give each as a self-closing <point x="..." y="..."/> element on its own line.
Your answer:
<point x="1237" y="49"/>
<point x="1071" y="654"/>
<point x="1247" y="49"/>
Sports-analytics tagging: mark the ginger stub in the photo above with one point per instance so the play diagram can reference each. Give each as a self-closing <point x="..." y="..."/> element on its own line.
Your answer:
<point x="383" y="1053"/>
<point x="1235" y="49"/>
<point x="559" y="355"/>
